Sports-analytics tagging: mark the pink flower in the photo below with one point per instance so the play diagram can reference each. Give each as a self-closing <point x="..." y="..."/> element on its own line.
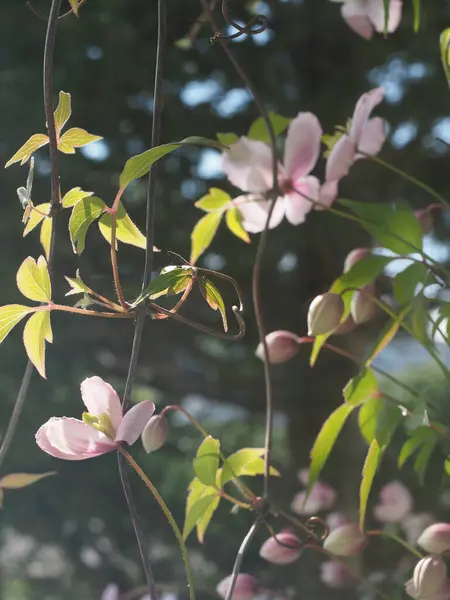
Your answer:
<point x="282" y="346"/>
<point x="346" y="540"/>
<point x="355" y="256"/>
<point x="365" y="16"/>
<point x="436" y="538"/>
<point x="111" y="592"/>
<point x="102" y="429"/>
<point x="322" y="497"/>
<point x="429" y="581"/>
<point x="416" y="524"/>
<point x="245" y="588"/>
<point x="248" y="166"/>
<point x="283" y="549"/>
<point x="334" y="574"/>
<point x="335" y="520"/>
<point x="395" y="503"/>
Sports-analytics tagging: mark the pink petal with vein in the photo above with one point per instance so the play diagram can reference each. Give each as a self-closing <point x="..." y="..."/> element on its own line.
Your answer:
<point x="99" y="397"/>
<point x="341" y="158"/>
<point x="302" y="148"/>
<point x="134" y="422"/>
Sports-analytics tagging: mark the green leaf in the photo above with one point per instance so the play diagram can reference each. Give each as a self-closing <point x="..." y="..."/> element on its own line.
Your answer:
<point x="14" y="481"/>
<point x="126" y="231"/>
<point x="387" y="334"/>
<point x="62" y="112"/>
<point x="406" y="282"/>
<point x="73" y="196"/>
<point x="10" y="315"/>
<point x="233" y="219"/>
<point x="77" y="284"/>
<point x="196" y="512"/>
<point x="24" y="152"/>
<point x="84" y="213"/>
<point x="74" y="6"/>
<point x="36" y="331"/>
<point x="378" y="419"/>
<point x="370" y="468"/>
<point x="45" y="236"/>
<point x="205" y="519"/>
<point x="171" y="281"/>
<point x="361" y="388"/>
<point x="244" y="462"/>
<point x="203" y="234"/>
<point x="258" y="131"/>
<point x="33" y="279"/>
<point x="387" y="9"/>
<point x="206" y="461"/>
<point x="393" y="226"/>
<point x="214" y="298"/>
<point x="423" y="440"/>
<point x="76" y="138"/>
<point x="227" y="138"/>
<point x="215" y="199"/>
<point x="416" y="8"/>
<point x="325" y="441"/>
<point x="140" y="165"/>
<point x="445" y="52"/>
<point x="35" y="217"/>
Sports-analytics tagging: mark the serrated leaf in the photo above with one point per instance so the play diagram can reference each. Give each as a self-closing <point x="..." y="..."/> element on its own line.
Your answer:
<point x="361" y="387"/>
<point x="386" y="336"/>
<point x="233" y="219"/>
<point x="445" y="52"/>
<point x="15" y="481"/>
<point x="369" y="471"/>
<point x="74" y="6"/>
<point x="24" y="152"/>
<point x="214" y="298"/>
<point x="76" y="138"/>
<point x="77" y="284"/>
<point x="37" y="330"/>
<point x="10" y="315"/>
<point x="227" y="138"/>
<point x="45" y="236"/>
<point x="215" y="199"/>
<point x="406" y="282"/>
<point x="140" y="165"/>
<point x="84" y="213"/>
<point x="36" y="217"/>
<point x="169" y="282"/>
<point x="206" y="461"/>
<point x="73" y="196"/>
<point x="258" y="131"/>
<point x="195" y="512"/>
<point x="62" y="112"/>
<point x="203" y="234"/>
<point x="33" y="279"/>
<point x="126" y="231"/>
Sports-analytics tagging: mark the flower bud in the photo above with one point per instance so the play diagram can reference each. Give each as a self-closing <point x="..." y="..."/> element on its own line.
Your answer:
<point x="346" y="326"/>
<point x="363" y="307"/>
<point x="325" y="313"/>
<point x="334" y="574"/>
<point x="346" y="540"/>
<point x="155" y="433"/>
<point x="429" y="579"/>
<point x="395" y="503"/>
<point x="244" y="589"/>
<point x="355" y="256"/>
<point x="281" y="345"/>
<point x="425" y="219"/>
<point x="436" y="538"/>
<point x="282" y="549"/>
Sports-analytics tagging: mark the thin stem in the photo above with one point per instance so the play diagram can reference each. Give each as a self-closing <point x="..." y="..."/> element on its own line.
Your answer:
<point x="115" y="264"/>
<point x="243" y="505"/>
<point x="169" y="517"/>
<point x="86" y="312"/>
<point x="397" y="539"/>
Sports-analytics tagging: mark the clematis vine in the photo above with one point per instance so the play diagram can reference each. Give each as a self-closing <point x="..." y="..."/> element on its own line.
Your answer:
<point x="365" y="17"/>
<point x="248" y="166"/>
<point x="101" y="430"/>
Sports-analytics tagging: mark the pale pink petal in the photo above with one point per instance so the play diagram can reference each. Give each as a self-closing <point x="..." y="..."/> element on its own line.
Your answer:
<point x="373" y="136"/>
<point x="254" y="210"/>
<point x="248" y="165"/>
<point x="111" y="592"/>
<point x="72" y="439"/>
<point x="341" y="158"/>
<point x="322" y="497"/>
<point x="99" y="397"/>
<point x="298" y="203"/>
<point x="302" y="148"/>
<point x="395" y="503"/>
<point x="356" y="17"/>
<point x="328" y="194"/>
<point x="363" y="110"/>
<point x="375" y="12"/>
<point x="134" y="422"/>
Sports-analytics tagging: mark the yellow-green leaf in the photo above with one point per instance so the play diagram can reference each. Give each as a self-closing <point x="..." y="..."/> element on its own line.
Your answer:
<point x="10" y="315"/>
<point x="205" y="519"/>
<point x="74" y="6"/>
<point x="203" y="234"/>
<point x="361" y="387"/>
<point x="73" y="196"/>
<point x="46" y="235"/>
<point x="206" y="461"/>
<point x="36" y="217"/>
<point x="62" y="112"/>
<point x="33" y="279"/>
<point x="36" y="331"/>
<point x="76" y="138"/>
<point x="84" y="213"/>
<point x="14" y="481"/>
<point x="215" y="199"/>
<point x="24" y="152"/>
<point x="77" y="284"/>
<point x="445" y="52"/>
<point x="214" y="298"/>
<point x="195" y="513"/>
<point x="227" y="138"/>
<point x="236" y="462"/>
<point x="233" y="219"/>
<point x="387" y="334"/>
<point x="369" y="470"/>
<point x="126" y="230"/>
<point x="258" y="131"/>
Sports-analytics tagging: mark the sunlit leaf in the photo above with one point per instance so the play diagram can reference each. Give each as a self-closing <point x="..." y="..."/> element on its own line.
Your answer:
<point x="406" y="282"/>
<point x="73" y="196"/>
<point x="62" y="112"/>
<point x="10" y="315"/>
<point x="77" y="284"/>
<point x="227" y="138"/>
<point x="36" y="217"/>
<point x="233" y="219"/>
<point x="369" y="471"/>
<point x="74" y="6"/>
<point x="423" y="441"/>
<point x="23" y="154"/>
<point x="37" y="330"/>
<point x="361" y="387"/>
<point x="14" y="481"/>
<point x="416" y="7"/>
<point x="214" y="298"/>
<point x="171" y="280"/>
<point x="445" y="52"/>
<point x="126" y="230"/>
<point x="386" y="336"/>
<point x="205" y="519"/>
<point x="33" y="279"/>
<point x="76" y="138"/>
<point x="203" y="234"/>
<point x="215" y="199"/>
<point x="84" y="213"/>
<point x="245" y="462"/>
<point x="195" y="513"/>
<point x="258" y="131"/>
<point x="46" y="236"/>
<point x="206" y="461"/>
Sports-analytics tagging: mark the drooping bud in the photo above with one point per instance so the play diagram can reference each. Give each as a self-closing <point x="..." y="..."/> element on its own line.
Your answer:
<point x="355" y="256"/>
<point x="244" y="589"/>
<point x="346" y="540"/>
<point x="425" y="219"/>
<point x="325" y="313"/>
<point x="363" y="307"/>
<point x="334" y="574"/>
<point x="282" y="549"/>
<point x="429" y="579"/>
<point x="436" y="538"/>
<point x="395" y="503"/>
<point x="155" y="433"/>
<point x="282" y="346"/>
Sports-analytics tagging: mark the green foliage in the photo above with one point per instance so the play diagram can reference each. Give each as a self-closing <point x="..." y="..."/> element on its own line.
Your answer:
<point x="10" y="315"/>
<point x="258" y="130"/>
<point x="206" y="461"/>
<point x="84" y="213"/>
<point x="215" y="199"/>
<point x="233" y="219"/>
<point x="76" y="138"/>
<point x="171" y="281"/>
<point x="244" y="462"/>
<point x="406" y="282"/>
<point x="445" y="52"/>
<point x="214" y="298"/>
<point x="203" y="234"/>
<point x="77" y="285"/>
<point x="35" y="142"/>
<point x="423" y="441"/>
<point x="62" y="112"/>
<point x="361" y="387"/>
<point x="227" y="138"/>
<point x="74" y="6"/>
<point x="33" y="280"/>
<point x="73" y="196"/>
<point x="370" y="468"/>
<point x="126" y="231"/>
<point x="36" y="332"/>
<point x="416" y="8"/>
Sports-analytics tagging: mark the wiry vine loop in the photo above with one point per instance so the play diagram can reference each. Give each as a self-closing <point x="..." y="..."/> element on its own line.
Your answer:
<point x="313" y="523"/>
<point x="257" y="24"/>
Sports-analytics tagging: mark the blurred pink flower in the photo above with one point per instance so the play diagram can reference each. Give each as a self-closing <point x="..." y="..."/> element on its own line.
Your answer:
<point x="365" y="16"/>
<point x="245" y="588"/>
<point x="335" y="520"/>
<point x="334" y="575"/>
<point x="415" y="524"/>
<point x="282" y="549"/>
<point x="346" y="540"/>
<point x="248" y="166"/>
<point x="429" y="581"/>
<point x="436" y="538"/>
<point x="395" y="503"/>
<point x="322" y="497"/>
<point x="102" y="429"/>
<point x="111" y="592"/>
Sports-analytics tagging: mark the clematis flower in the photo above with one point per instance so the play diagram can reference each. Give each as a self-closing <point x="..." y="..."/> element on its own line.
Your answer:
<point x="248" y="166"/>
<point x="246" y="587"/>
<point x="334" y="575"/>
<point x="101" y="430"/>
<point x="366" y="16"/>
<point x="111" y="592"/>
<point x="321" y="497"/>
<point x="395" y="503"/>
<point x="429" y="581"/>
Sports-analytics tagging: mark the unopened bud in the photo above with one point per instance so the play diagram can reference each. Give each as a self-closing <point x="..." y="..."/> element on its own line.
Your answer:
<point x="363" y="307"/>
<point x="155" y="433"/>
<point x="355" y="256"/>
<point x="425" y="219"/>
<point x="429" y="578"/>
<point x="281" y="345"/>
<point x="335" y="575"/>
<point x="282" y="549"/>
<point x="325" y="313"/>
<point x="346" y="540"/>
<point x="244" y="589"/>
<point x="346" y="326"/>
<point x="436" y="538"/>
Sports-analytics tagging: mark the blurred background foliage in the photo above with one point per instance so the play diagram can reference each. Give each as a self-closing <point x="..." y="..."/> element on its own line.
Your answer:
<point x="67" y="536"/>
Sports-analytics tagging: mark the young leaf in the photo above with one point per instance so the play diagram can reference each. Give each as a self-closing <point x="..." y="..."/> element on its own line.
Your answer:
<point x="77" y="284"/>
<point x="84" y="213"/>
<point x="76" y="138"/>
<point x="33" y="280"/>
<point x="227" y="138"/>
<point x="233" y="219"/>
<point x="215" y="199"/>
<point x="36" y="331"/>
<point x="24" y="152"/>
<point x="126" y="230"/>
<point x="387" y="334"/>
<point x="73" y="196"/>
<point x="424" y="441"/>
<point x="170" y="281"/>
<point x="445" y="52"/>
<point x="14" y="481"/>
<point x="205" y="519"/>
<point x="369" y="470"/>
<point x="206" y="461"/>
<point x="36" y="217"/>
<point x="258" y="131"/>
<point x="74" y="6"/>
<point x="195" y="512"/>
<point x="406" y="282"/>
<point x="203" y="234"/>
<point x="416" y="7"/>
<point x="62" y="112"/>
<point x="10" y="315"/>
<point x="214" y="298"/>
<point x="46" y="235"/>
<point x="361" y="388"/>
